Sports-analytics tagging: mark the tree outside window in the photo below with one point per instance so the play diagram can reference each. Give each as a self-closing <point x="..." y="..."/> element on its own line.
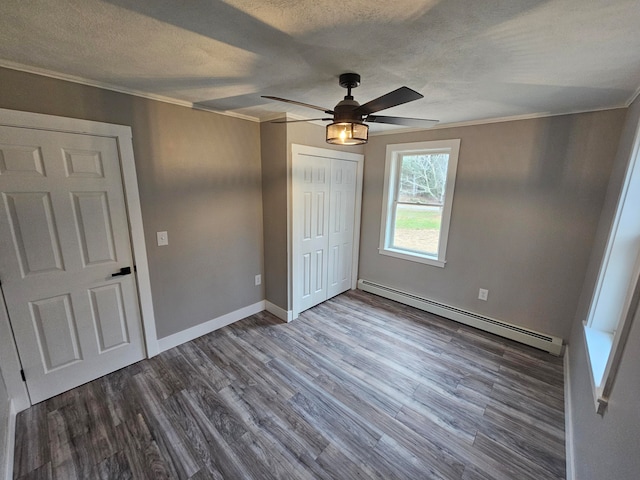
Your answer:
<point x="420" y="201"/>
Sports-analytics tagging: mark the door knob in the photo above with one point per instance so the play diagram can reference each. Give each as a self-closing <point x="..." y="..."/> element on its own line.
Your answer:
<point x="123" y="271"/>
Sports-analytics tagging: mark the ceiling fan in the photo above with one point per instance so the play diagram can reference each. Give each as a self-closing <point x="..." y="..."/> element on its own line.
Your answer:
<point x="348" y="125"/>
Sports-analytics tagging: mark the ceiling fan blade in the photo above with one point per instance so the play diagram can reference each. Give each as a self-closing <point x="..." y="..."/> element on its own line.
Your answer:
<point x="305" y="120"/>
<point x="391" y="99"/>
<point x="404" y="121"/>
<point x="315" y="107"/>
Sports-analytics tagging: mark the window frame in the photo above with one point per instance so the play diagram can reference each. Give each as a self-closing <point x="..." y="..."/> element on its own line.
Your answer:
<point x="606" y="328"/>
<point x="394" y="155"/>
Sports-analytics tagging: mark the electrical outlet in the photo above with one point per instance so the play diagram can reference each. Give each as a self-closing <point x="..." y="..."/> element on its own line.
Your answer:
<point x="163" y="238"/>
<point x="483" y="294"/>
<point x="258" y="279"/>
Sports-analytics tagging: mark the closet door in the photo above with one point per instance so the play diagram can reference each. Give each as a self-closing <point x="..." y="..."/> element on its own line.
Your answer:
<point x="341" y="225"/>
<point x="325" y="226"/>
<point x="311" y="189"/>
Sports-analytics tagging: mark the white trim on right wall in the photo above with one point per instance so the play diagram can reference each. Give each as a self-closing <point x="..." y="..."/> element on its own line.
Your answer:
<point x="617" y="292"/>
<point x="568" y="419"/>
<point x="10" y="444"/>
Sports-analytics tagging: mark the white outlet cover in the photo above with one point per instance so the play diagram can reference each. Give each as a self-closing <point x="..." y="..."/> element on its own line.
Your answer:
<point x="483" y="294"/>
<point x="163" y="238"/>
<point x="258" y="279"/>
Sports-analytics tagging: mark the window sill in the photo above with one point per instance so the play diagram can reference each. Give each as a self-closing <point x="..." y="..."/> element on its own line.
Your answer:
<point x="599" y="345"/>
<point x="412" y="257"/>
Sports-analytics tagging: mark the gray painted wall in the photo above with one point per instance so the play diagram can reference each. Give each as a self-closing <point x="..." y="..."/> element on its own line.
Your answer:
<point x="527" y="202"/>
<point x="199" y="177"/>
<point x="607" y="447"/>
<point x="4" y="424"/>
<point x="274" y="211"/>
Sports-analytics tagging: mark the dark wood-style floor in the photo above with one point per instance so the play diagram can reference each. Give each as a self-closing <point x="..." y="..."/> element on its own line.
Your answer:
<point x="358" y="387"/>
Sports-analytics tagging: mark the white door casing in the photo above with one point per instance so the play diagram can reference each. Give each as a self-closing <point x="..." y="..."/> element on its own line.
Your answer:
<point x="63" y="233"/>
<point x="326" y="199"/>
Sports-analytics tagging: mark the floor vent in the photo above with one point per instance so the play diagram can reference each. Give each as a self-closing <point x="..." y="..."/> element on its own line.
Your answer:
<point x="523" y="335"/>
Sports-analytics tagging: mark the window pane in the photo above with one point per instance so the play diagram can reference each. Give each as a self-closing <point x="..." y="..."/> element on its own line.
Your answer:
<point x="423" y="178"/>
<point x="417" y="228"/>
<point x="417" y="200"/>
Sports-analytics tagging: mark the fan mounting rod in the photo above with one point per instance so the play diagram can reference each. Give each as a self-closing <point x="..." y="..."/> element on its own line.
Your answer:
<point x="349" y="81"/>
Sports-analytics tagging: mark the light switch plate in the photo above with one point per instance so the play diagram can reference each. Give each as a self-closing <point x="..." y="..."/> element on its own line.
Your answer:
<point x="163" y="238"/>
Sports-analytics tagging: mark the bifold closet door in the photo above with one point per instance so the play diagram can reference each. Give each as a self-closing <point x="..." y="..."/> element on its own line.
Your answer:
<point x="341" y="225"/>
<point x="324" y="191"/>
<point x="312" y="177"/>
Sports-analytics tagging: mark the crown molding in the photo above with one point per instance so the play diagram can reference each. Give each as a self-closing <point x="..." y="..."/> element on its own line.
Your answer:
<point x="280" y="115"/>
<point x="114" y="88"/>
<point x="486" y="121"/>
<point x="633" y="97"/>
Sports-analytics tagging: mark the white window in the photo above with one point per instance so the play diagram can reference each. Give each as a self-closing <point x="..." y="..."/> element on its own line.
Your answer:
<point x="418" y="194"/>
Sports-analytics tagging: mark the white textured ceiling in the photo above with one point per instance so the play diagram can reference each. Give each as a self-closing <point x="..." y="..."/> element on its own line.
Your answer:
<point x="471" y="59"/>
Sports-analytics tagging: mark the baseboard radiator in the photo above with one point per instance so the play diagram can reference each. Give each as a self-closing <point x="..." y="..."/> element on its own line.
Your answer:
<point x="532" y="338"/>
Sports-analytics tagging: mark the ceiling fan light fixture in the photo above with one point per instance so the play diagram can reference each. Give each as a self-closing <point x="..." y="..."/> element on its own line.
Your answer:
<point x="348" y="127"/>
<point x="347" y="133"/>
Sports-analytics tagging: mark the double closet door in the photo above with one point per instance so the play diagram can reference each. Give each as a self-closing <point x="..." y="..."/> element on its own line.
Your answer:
<point x="325" y="192"/>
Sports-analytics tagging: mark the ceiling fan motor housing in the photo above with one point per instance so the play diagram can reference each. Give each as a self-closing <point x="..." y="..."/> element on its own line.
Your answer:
<point x="344" y="111"/>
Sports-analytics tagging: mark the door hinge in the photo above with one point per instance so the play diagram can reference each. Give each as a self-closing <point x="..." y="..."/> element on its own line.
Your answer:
<point x="24" y="379"/>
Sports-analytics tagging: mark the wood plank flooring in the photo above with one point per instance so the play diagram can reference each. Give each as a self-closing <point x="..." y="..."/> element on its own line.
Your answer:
<point x="359" y="387"/>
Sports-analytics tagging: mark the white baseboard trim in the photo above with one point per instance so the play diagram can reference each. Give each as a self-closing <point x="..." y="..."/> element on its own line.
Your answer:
<point x="11" y="441"/>
<point x="568" y="423"/>
<point x="192" y="333"/>
<point x="281" y="313"/>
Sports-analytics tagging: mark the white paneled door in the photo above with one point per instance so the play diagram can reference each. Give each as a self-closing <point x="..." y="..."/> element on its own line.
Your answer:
<point x="324" y="225"/>
<point x="341" y="225"/>
<point x="63" y="236"/>
<point x="312" y="177"/>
